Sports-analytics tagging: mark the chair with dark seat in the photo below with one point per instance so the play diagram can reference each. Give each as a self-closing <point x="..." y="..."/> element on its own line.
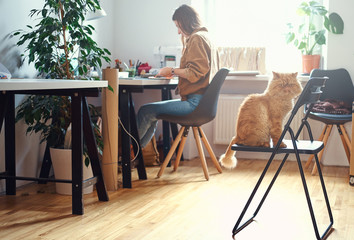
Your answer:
<point x="309" y="96"/>
<point x="203" y="113"/>
<point x="338" y="87"/>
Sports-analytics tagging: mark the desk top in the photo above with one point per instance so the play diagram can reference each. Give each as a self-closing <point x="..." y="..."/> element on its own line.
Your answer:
<point x="138" y="81"/>
<point x="47" y="84"/>
<point x="146" y="81"/>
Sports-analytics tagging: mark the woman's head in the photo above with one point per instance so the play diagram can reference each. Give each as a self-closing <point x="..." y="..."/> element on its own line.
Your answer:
<point x="187" y="20"/>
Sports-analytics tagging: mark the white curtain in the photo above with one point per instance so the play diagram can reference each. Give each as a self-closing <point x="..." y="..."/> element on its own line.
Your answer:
<point x="254" y="23"/>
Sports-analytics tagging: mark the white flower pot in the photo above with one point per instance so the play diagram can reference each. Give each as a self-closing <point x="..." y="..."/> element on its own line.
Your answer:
<point x="61" y="160"/>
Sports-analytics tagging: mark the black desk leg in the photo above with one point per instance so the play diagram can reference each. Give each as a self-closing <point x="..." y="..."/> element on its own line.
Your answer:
<point x="93" y="153"/>
<point x="10" y="142"/>
<point x="3" y="105"/>
<point x="173" y="126"/>
<point x="46" y="165"/>
<point x="77" y="152"/>
<point x="126" y="163"/>
<point x="165" y="95"/>
<point x="134" y="131"/>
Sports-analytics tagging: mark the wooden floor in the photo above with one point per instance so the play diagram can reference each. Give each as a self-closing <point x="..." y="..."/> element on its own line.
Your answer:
<point x="182" y="205"/>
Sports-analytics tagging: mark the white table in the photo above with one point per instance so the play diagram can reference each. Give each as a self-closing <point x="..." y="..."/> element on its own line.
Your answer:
<point x="81" y="127"/>
<point x="138" y="81"/>
<point x="48" y="84"/>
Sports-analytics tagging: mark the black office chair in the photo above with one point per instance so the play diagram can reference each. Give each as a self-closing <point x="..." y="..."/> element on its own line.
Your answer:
<point x="309" y="95"/>
<point x="204" y="113"/>
<point x="338" y="87"/>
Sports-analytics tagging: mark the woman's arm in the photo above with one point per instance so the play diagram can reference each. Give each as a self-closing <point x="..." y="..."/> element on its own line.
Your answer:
<point x="169" y="71"/>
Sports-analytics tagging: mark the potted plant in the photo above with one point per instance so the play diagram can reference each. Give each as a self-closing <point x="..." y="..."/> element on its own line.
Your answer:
<point x="61" y="47"/>
<point x="310" y="34"/>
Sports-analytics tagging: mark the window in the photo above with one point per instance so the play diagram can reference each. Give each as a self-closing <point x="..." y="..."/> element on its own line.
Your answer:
<point x="256" y="23"/>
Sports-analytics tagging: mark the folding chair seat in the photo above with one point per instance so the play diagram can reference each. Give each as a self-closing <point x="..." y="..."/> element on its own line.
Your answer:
<point x="310" y="95"/>
<point x="203" y="113"/>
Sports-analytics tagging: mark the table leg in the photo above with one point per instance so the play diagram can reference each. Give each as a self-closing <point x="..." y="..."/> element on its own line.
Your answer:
<point x="125" y="120"/>
<point x="46" y="165"/>
<point x="351" y="164"/>
<point x="134" y="131"/>
<point x="10" y="142"/>
<point x="3" y="101"/>
<point x="165" y="95"/>
<point x="93" y="153"/>
<point x="77" y="153"/>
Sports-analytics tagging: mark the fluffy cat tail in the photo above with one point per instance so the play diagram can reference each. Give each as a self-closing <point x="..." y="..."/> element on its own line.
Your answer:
<point x="228" y="159"/>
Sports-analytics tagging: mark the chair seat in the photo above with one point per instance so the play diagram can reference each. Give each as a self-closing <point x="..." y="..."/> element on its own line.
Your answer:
<point x="331" y="118"/>
<point x="303" y="146"/>
<point x="191" y="119"/>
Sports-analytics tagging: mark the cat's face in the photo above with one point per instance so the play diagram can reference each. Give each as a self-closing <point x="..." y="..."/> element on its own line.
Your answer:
<point x="285" y="84"/>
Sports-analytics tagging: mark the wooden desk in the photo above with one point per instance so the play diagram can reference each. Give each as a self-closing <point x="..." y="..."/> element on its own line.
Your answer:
<point x="351" y="164"/>
<point x="128" y="118"/>
<point x="81" y="127"/>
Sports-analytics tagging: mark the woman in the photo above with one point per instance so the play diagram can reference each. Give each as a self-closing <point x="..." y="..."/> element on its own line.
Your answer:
<point x="199" y="63"/>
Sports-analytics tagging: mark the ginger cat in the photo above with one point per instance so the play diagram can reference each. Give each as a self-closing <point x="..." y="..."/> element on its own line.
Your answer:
<point x="260" y="117"/>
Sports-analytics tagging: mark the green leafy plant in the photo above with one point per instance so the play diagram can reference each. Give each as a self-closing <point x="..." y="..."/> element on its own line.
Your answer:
<point x="61" y="47"/>
<point x="312" y="31"/>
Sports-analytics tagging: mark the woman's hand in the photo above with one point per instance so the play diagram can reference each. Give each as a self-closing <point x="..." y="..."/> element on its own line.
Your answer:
<point x="165" y="72"/>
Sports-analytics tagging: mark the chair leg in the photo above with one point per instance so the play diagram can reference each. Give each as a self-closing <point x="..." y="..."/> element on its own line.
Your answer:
<point x="170" y="153"/>
<point x="309" y="160"/>
<point x="201" y="152"/>
<point x="237" y="228"/>
<point x="180" y="149"/>
<point x="345" y="140"/>
<point x="329" y="228"/>
<point x="325" y="140"/>
<point x="210" y="150"/>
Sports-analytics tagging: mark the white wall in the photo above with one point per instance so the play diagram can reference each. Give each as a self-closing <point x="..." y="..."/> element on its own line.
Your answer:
<point x="340" y="54"/>
<point x="136" y="27"/>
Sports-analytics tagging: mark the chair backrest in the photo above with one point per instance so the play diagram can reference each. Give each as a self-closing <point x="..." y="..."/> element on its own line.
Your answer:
<point x="339" y="86"/>
<point x="206" y="109"/>
<point x="311" y="93"/>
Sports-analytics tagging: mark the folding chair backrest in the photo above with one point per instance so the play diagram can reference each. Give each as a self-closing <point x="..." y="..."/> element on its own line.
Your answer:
<point x="310" y="95"/>
<point x="311" y="92"/>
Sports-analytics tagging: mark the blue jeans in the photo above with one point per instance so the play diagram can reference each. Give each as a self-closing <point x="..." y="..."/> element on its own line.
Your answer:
<point x="147" y="114"/>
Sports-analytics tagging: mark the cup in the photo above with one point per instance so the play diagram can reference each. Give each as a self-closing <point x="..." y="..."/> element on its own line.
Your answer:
<point x="132" y="72"/>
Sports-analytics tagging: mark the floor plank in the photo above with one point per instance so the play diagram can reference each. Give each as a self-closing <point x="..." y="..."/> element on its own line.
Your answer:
<point x="182" y="205"/>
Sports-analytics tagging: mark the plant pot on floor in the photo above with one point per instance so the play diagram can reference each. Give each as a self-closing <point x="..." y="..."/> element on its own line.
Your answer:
<point x="310" y="62"/>
<point x="61" y="160"/>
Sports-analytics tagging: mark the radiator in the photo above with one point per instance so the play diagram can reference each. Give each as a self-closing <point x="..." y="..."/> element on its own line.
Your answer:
<point x="225" y="120"/>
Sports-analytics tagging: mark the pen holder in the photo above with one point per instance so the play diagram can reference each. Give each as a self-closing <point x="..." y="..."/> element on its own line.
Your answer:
<point x="132" y="72"/>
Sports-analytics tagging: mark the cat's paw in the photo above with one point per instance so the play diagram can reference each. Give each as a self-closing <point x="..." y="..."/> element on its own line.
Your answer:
<point x="283" y="145"/>
<point x="228" y="162"/>
<point x="265" y="144"/>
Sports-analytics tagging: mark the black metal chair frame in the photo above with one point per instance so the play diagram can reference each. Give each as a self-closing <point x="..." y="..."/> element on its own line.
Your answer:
<point x="310" y="95"/>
